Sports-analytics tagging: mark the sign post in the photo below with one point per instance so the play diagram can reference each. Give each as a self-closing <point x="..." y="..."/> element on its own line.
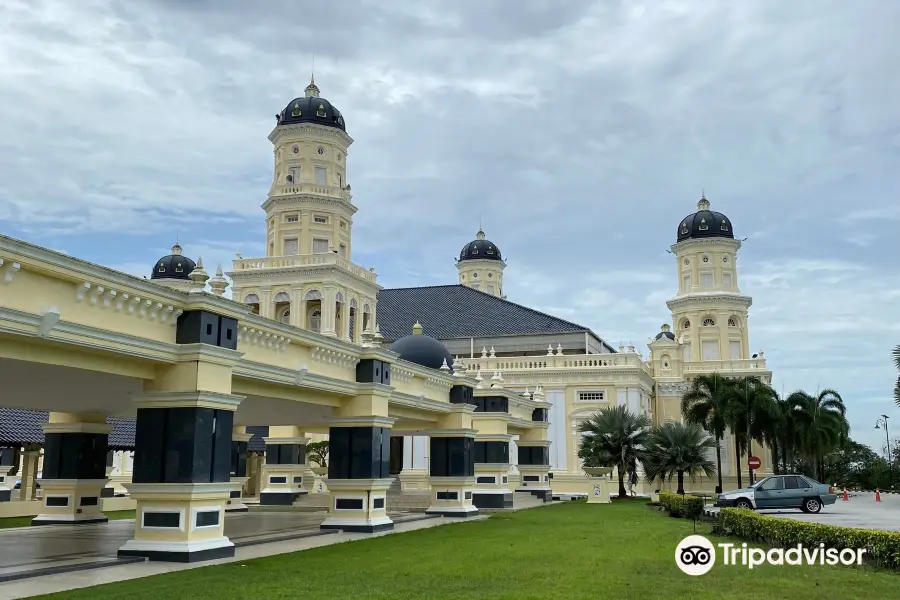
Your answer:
<point x="754" y="463"/>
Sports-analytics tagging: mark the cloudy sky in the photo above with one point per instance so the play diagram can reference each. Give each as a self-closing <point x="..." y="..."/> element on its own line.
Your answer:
<point x="581" y="132"/>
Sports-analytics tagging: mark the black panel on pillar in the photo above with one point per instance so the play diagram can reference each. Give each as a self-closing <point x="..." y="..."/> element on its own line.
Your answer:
<point x="182" y="445"/>
<point x="534" y="455"/>
<point x="358" y="452"/>
<point x="203" y="327"/>
<point x="75" y="456"/>
<point x="8" y="457"/>
<point x="440" y="461"/>
<point x="462" y="394"/>
<point x="539" y="414"/>
<point x="238" y="459"/>
<point x="452" y="457"/>
<point x="492" y="452"/>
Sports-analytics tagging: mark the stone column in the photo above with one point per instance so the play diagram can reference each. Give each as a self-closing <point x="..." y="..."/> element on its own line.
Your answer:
<point x="359" y="454"/>
<point x="492" y="471"/>
<point x="30" y="460"/>
<point x="328" y="309"/>
<point x="534" y="465"/>
<point x="74" y="473"/>
<point x="452" y="468"/>
<point x="239" y="439"/>
<point x="7" y="466"/>
<point x="285" y="468"/>
<point x="182" y="461"/>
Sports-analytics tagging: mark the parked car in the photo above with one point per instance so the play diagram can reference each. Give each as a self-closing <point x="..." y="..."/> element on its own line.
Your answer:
<point x="781" y="491"/>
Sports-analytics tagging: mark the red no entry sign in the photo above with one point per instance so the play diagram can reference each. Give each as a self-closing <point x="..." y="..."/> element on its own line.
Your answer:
<point x="754" y="462"/>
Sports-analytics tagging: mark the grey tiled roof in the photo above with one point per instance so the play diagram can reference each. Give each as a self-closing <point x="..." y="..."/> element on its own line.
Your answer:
<point x="456" y="311"/>
<point x="256" y="443"/>
<point x="24" y="427"/>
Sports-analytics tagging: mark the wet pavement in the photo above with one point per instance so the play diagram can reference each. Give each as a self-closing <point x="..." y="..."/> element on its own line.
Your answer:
<point x="36" y="551"/>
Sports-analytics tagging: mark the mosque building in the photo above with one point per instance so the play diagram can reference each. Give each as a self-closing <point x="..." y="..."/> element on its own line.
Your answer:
<point x="553" y="372"/>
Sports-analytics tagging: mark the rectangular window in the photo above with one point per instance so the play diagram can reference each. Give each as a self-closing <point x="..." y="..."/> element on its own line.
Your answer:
<point x="590" y="396"/>
<point x="320" y="219"/>
<point x="293" y="175"/>
<point x="320" y="246"/>
<point x="726" y="281"/>
<point x="343" y="224"/>
<point x="710" y="350"/>
<point x="342" y="251"/>
<point x="292" y="219"/>
<point x="735" y="347"/>
<point x="291" y="247"/>
<point x="490" y="288"/>
<point x="340" y="180"/>
<point x="688" y="357"/>
<point x="706" y="281"/>
<point x="686" y="282"/>
<point x="320" y="176"/>
<point x="476" y="286"/>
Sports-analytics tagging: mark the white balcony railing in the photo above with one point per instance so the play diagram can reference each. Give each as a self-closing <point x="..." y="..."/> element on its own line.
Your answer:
<point x="566" y="361"/>
<point x="302" y="260"/>
<point x="291" y="189"/>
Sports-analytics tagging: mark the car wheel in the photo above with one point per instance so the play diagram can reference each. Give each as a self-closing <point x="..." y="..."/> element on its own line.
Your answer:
<point x="743" y="503"/>
<point x="812" y="505"/>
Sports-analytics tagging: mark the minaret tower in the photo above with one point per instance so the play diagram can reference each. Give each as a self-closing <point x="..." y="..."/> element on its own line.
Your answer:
<point x="481" y="265"/>
<point x="307" y="278"/>
<point x="709" y="313"/>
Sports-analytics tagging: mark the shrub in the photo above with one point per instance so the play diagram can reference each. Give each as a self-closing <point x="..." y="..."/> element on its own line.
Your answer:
<point x="882" y="547"/>
<point x="686" y="507"/>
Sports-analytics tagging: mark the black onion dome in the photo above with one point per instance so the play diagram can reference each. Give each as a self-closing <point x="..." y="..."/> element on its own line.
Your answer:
<point x="705" y="223"/>
<point x="422" y="349"/>
<point x="480" y="249"/>
<point x="665" y="331"/>
<point x="311" y="109"/>
<point x="173" y="266"/>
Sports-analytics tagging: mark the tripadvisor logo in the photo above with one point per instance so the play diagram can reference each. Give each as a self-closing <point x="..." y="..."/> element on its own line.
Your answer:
<point x="696" y="555"/>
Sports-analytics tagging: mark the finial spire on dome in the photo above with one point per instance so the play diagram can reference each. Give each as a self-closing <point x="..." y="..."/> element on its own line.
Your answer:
<point x="417" y="329"/>
<point x="176" y="249"/>
<point x="704" y="203"/>
<point x="312" y="90"/>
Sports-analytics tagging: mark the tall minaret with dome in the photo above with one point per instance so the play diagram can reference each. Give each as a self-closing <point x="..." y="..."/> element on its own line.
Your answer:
<point x="481" y="265"/>
<point x="709" y="313"/>
<point x="307" y="278"/>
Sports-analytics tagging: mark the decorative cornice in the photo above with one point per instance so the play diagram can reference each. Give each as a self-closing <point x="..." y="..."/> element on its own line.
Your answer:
<point x="421" y="402"/>
<point x="302" y="129"/>
<point x="265" y="339"/>
<point x="333" y="356"/>
<point x="92" y="294"/>
<point x="706" y="299"/>
<point x="688" y="244"/>
<point x="295" y="377"/>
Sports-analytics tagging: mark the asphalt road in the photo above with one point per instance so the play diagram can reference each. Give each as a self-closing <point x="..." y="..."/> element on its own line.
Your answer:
<point x="859" y="511"/>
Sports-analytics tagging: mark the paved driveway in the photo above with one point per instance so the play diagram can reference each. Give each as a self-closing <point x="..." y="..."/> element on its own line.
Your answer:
<point x="859" y="511"/>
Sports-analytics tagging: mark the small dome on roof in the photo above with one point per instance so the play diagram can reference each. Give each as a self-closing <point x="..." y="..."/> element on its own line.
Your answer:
<point x="665" y="332"/>
<point x="480" y="249"/>
<point x="422" y="349"/>
<point x="173" y="266"/>
<point x="311" y="108"/>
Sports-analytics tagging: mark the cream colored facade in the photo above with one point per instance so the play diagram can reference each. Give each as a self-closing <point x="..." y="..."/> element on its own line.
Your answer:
<point x="485" y="275"/>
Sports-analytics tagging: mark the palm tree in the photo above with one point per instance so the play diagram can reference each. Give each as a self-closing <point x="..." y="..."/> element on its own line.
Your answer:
<point x="897" y="364"/>
<point x="822" y="425"/>
<point x="752" y="416"/>
<point x="706" y="405"/>
<point x="782" y="438"/>
<point x="614" y="437"/>
<point x="678" y="449"/>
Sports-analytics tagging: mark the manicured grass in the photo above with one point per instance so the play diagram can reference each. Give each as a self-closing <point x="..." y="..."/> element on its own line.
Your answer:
<point x="568" y="551"/>
<point x="8" y="522"/>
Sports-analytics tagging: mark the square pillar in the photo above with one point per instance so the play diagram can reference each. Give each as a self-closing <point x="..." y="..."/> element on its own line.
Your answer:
<point x="534" y="465"/>
<point x="239" y="440"/>
<point x="358" y="474"/>
<point x="30" y="461"/>
<point x="492" y="472"/>
<point x="285" y="470"/>
<point x="74" y="472"/>
<point x="452" y="472"/>
<point x="181" y="479"/>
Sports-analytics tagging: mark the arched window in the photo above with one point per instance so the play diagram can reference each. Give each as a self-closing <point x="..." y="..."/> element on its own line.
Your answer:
<point x="703" y="225"/>
<point x="686" y="324"/>
<point x="286" y="317"/>
<point x="313" y="295"/>
<point x="315" y="320"/>
<point x="724" y="225"/>
<point x="282" y="297"/>
<point x="732" y="322"/>
<point x="251" y="299"/>
<point x="709" y="322"/>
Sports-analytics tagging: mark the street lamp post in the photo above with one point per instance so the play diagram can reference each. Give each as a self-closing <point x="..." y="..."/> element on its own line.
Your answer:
<point x="883" y="420"/>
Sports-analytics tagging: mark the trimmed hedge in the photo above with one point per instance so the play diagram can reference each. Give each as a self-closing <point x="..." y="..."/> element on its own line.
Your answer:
<point x="685" y="507"/>
<point x="882" y="547"/>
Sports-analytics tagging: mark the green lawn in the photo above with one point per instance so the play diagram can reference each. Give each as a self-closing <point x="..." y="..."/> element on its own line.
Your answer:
<point x="7" y="522"/>
<point x="568" y="551"/>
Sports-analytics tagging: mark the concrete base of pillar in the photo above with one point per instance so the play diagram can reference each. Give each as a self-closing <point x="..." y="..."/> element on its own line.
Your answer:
<point x="71" y="501"/>
<point x="452" y="497"/>
<point x="7" y="483"/>
<point x="414" y="480"/>
<point x="545" y="494"/>
<point x="236" y="499"/>
<point x="492" y="499"/>
<point x="279" y="498"/>
<point x="5" y="494"/>
<point x="179" y="522"/>
<point x="283" y="484"/>
<point x="181" y="552"/>
<point x="358" y="505"/>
